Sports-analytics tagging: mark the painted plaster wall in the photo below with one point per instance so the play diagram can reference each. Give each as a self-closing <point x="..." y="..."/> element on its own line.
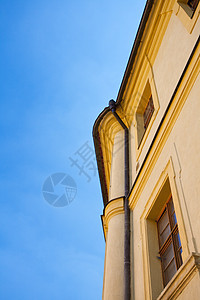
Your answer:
<point x="114" y="262"/>
<point x="169" y="64"/>
<point x="185" y="158"/>
<point x="183" y="146"/>
<point x="192" y="290"/>
<point x="117" y="167"/>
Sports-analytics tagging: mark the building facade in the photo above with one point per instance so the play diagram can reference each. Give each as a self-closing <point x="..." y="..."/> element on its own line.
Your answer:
<point x="147" y="145"/>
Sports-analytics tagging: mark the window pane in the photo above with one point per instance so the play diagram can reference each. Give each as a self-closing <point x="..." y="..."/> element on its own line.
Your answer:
<point x="171" y="206"/>
<point x="173" y="220"/>
<point x="164" y="235"/>
<point x="169" y="272"/>
<point x="178" y="248"/>
<point x="177" y="240"/>
<point x="167" y="256"/>
<point x="193" y="3"/>
<point x="148" y="112"/>
<point x="172" y="213"/>
<point x="162" y="223"/>
<point x="169" y="241"/>
<point x="179" y="258"/>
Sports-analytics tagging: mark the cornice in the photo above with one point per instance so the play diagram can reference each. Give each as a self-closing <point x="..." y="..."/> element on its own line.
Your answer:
<point x="113" y="208"/>
<point x="151" y="31"/>
<point x="103" y="173"/>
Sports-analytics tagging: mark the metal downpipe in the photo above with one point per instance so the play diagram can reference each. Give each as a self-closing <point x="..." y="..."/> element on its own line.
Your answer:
<point x="127" y="270"/>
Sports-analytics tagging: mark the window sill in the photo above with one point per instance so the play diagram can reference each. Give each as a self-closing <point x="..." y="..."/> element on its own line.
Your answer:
<point x="182" y="277"/>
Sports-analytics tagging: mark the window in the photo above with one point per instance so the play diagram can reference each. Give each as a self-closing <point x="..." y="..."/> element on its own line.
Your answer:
<point x="188" y="13"/>
<point x="145" y="110"/>
<point x="169" y="242"/>
<point x="189" y="6"/>
<point x="148" y="112"/>
<point x="193" y="4"/>
<point x="164" y="238"/>
<point x="144" y="113"/>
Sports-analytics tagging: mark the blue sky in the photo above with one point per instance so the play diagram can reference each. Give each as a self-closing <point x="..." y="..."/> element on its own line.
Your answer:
<point x="61" y="62"/>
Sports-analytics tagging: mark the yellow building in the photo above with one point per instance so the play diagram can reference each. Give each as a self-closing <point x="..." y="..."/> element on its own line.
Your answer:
<point x="147" y="145"/>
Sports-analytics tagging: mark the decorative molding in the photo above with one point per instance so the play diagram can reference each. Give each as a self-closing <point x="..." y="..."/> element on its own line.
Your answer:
<point x="153" y="35"/>
<point x="186" y="15"/>
<point x="151" y="80"/>
<point x="113" y="208"/>
<point x="180" y="98"/>
<point x="168" y="173"/>
<point x="182" y="277"/>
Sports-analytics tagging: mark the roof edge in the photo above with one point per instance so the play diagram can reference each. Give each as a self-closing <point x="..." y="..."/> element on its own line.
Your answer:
<point x="134" y="50"/>
<point x="95" y="132"/>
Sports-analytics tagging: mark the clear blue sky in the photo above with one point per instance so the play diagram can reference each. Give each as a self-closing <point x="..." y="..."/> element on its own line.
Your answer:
<point x="61" y="62"/>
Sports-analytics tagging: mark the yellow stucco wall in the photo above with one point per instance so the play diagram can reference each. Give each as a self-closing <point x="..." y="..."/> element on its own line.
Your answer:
<point x="117" y="168"/>
<point x="182" y="147"/>
<point x="113" y="266"/>
<point x="174" y="158"/>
